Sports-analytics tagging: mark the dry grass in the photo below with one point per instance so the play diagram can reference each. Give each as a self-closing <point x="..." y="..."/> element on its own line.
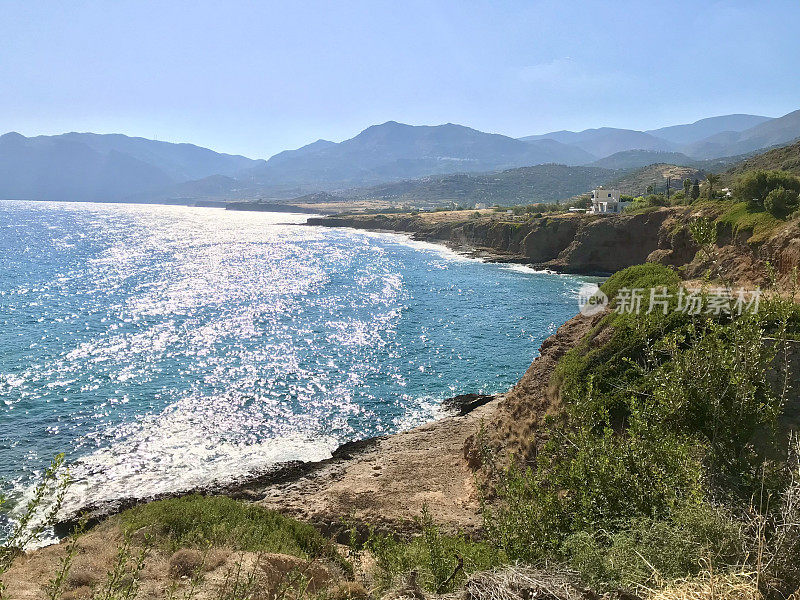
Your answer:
<point x="514" y="583"/>
<point x="348" y="590"/>
<point x="710" y="586"/>
<point x="186" y="562"/>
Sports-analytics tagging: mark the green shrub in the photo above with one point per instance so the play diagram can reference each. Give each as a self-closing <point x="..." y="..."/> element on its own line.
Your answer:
<point x="434" y="555"/>
<point x="640" y="276"/>
<point x="780" y="202"/>
<point x="754" y="186"/>
<point x="202" y="521"/>
<point x="648" y="202"/>
<point x="695" y="537"/>
<point x="662" y="412"/>
<point x="590" y="481"/>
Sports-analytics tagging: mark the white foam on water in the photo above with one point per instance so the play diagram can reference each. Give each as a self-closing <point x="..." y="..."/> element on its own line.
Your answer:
<point x="526" y="269"/>
<point x="405" y="239"/>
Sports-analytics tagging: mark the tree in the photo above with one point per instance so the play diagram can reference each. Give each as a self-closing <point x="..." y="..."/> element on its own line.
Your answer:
<point x="651" y="189"/>
<point x="780" y="202"/>
<point x="687" y="187"/>
<point x="711" y="179"/>
<point x="695" y="190"/>
<point x="754" y="186"/>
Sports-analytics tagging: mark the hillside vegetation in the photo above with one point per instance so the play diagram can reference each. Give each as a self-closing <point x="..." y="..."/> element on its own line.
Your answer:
<point x="636" y="183"/>
<point x="667" y="447"/>
<point x="786" y="158"/>
<point x="541" y="183"/>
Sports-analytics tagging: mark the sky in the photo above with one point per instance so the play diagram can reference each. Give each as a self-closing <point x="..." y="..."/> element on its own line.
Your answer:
<point x="255" y="78"/>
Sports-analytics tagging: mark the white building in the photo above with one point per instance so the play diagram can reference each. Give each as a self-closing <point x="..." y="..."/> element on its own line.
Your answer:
<point x="606" y="202"/>
<point x="480" y="206"/>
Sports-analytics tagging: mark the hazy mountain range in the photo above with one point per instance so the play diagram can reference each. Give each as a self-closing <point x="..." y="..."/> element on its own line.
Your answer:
<point x="393" y="151"/>
<point x="523" y="185"/>
<point x="85" y="166"/>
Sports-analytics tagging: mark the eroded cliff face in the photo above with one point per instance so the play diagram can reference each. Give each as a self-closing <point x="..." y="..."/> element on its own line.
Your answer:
<point x="609" y="244"/>
<point x="585" y="244"/>
<point x="566" y="243"/>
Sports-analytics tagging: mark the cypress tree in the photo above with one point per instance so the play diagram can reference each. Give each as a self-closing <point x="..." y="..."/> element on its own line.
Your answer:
<point x="696" y="190"/>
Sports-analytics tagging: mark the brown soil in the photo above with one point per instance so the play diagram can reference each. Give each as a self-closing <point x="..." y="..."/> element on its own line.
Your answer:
<point x="96" y="557"/>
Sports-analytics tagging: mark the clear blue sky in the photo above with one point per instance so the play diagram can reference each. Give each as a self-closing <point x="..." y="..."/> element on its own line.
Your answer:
<point x="259" y="77"/>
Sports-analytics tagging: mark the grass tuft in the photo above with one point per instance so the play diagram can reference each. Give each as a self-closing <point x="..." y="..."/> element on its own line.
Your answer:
<point x="739" y="217"/>
<point x="202" y="522"/>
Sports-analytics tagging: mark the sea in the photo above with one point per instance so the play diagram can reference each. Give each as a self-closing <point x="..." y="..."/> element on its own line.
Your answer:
<point x="165" y="348"/>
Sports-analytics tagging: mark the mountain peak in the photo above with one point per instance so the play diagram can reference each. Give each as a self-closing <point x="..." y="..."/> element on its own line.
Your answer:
<point x="11" y="136"/>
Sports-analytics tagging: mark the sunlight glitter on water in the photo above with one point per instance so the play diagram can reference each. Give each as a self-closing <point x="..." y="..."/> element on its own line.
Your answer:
<point x="164" y="348"/>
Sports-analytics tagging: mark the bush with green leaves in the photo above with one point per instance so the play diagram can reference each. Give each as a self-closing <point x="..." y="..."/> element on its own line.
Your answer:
<point x="753" y="187"/>
<point x="647" y="550"/>
<point x="780" y="202"/>
<point x="663" y="414"/>
<point x="648" y="201"/>
<point x="442" y="561"/>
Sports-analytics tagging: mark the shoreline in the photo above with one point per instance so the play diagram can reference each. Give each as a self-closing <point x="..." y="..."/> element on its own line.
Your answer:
<point x="482" y="253"/>
<point x="567" y="244"/>
<point x="386" y="482"/>
<point x="257" y="486"/>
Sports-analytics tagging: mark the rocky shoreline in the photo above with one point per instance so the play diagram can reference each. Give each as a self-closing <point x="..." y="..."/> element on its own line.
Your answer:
<point x="573" y="244"/>
<point x="583" y="244"/>
<point x="488" y="240"/>
<point x="385" y="482"/>
<point x="569" y="244"/>
<point x="268" y="485"/>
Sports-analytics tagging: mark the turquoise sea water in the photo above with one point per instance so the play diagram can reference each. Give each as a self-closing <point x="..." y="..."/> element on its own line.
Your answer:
<point x="163" y="348"/>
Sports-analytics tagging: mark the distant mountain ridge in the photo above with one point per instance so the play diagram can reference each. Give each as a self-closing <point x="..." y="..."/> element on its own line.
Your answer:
<point x="605" y="140"/>
<point x="782" y="130"/>
<point x="693" y="132"/>
<point x="182" y="162"/>
<point x="713" y="137"/>
<point x="114" y="167"/>
<point x="102" y="167"/>
<point x="395" y="151"/>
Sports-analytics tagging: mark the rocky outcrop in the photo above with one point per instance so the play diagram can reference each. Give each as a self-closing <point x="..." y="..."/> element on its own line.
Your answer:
<point x="565" y="243"/>
<point x="585" y="244"/>
<point x="611" y="243"/>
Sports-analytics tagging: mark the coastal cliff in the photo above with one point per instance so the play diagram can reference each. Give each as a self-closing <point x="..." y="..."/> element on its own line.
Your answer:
<point x="586" y="244"/>
<point x="566" y="243"/>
